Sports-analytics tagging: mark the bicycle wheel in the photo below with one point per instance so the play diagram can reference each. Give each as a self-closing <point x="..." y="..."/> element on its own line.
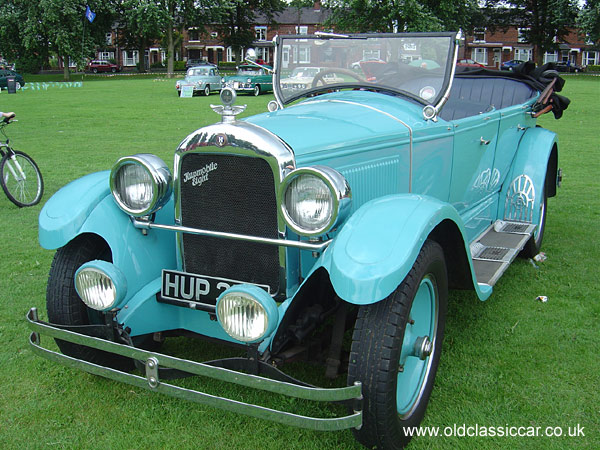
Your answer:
<point x="21" y="179"/>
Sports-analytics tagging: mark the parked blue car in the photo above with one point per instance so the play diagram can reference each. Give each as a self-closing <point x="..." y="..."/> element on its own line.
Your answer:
<point x="349" y="209"/>
<point x="510" y="65"/>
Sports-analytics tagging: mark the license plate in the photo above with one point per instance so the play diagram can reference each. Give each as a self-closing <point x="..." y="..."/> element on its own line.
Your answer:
<point x="196" y="289"/>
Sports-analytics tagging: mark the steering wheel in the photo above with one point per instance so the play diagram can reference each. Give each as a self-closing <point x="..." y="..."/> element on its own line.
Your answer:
<point x="320" y="76"/>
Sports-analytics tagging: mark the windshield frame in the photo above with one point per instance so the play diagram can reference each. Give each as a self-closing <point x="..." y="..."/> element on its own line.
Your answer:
<point x="438" y="102"/>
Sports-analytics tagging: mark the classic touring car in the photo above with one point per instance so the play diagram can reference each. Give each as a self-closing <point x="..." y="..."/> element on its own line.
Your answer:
<point x="349" y="209"/>
<point x="250" y="78"/>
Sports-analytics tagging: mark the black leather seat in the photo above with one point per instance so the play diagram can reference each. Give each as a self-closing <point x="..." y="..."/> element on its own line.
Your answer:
<point x="470" y="96"/>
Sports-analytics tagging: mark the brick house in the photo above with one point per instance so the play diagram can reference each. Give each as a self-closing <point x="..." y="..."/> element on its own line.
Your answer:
<point x="210" y="47"/>
<point x="493" y="48"/>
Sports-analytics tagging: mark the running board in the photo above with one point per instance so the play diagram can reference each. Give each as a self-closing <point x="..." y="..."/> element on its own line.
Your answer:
<point x="497" y="247"/>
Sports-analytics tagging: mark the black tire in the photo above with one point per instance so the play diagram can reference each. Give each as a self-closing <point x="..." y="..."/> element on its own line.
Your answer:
<point x="113" y="70"/>
<point x="377" y="351"/>
<point x="65" y="307"/>
<point x="21" y="191"/>
<point x="95" y="70"/>
<point x="256" y="91"/>
<point x="207" y="90"/>
<point x="534" y="244"/>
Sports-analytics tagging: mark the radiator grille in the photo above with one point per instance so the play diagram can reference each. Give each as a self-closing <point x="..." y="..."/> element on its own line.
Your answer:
<point x="233" y="194"/>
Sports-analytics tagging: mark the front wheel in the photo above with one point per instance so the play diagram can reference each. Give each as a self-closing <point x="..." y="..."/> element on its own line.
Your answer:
<point x="256" y="90"/>
<point x="395" y="351"/>
<point x="207" y="90"/>
<point x="21" y="179"/>
<point x="64" y="305"/>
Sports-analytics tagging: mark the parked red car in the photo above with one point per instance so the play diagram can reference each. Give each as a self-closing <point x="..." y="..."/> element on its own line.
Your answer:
<point x="103" y="66"/>
<point x="469" y="63"/>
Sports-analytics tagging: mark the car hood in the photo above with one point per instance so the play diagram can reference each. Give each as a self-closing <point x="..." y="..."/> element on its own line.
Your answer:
<point x="343" y="120"/>
<point x="241" y="77"/>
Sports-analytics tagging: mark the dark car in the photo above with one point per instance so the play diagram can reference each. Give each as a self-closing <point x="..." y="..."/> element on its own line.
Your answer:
<point x="567" y="66"/>
<point x="195" y="62"/>
<point x="103" y="66"/>
<point x="469" y="63"/>
<point x="510" y="65"/>
<point x="5" y="74"/>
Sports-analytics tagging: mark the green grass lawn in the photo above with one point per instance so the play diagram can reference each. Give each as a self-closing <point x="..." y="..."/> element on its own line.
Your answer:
<point x="510" y="361"/>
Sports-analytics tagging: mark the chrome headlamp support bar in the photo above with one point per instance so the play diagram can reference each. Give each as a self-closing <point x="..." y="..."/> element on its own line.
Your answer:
<point x="302" y="245"/>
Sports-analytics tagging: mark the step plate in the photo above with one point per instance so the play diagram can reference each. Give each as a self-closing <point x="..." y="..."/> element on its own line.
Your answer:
<point x="497" y="247"/>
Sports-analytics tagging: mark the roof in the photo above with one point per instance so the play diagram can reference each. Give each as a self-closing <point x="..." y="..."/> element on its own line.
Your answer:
<point x="289" y="16"/>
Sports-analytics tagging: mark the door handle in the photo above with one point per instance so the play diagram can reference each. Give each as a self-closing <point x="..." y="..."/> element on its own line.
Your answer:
<point x="484" y="141"/>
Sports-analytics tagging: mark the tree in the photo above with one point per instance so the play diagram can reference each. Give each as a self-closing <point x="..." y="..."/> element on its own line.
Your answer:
<point x="141" y="22"/>
<point x="237" y="18"/>
<point x="401" y="15"/>
<point x="30" y="31"/>
<point x="544" y="23"/>
<point x="589" y="21"/>
<point x="182" y="13"/>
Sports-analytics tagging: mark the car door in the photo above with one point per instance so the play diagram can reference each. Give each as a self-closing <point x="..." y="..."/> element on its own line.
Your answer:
<point x="214" y="80"/>
<point x="474" y="180"/>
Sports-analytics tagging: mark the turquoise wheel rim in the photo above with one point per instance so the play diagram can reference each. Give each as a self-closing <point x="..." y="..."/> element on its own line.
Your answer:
<point x="413" y="371"/>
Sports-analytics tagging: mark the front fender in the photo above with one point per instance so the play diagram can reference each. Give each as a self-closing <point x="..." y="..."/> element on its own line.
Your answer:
<point x="379" y="244"/>
<point x="86" y="206"/>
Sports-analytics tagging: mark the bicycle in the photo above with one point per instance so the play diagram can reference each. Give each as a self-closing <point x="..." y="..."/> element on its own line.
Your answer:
<point x="20" y="176"/>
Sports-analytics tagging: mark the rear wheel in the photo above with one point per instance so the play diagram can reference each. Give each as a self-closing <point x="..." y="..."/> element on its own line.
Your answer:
<point x="21" y="179"/>
<point x="395" y="351"/>
<point x="64" y="305"/>
<point x="256" y="90"/>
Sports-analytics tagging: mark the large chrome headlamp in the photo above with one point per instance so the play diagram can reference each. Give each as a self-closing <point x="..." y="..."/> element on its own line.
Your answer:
<point x="314" y="200"/>
<point x="141" y="184"/>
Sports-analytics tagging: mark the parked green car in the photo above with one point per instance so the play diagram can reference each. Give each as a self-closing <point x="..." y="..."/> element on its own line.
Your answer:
<point x="5" y="74"/>
<point x="251" y="79"/>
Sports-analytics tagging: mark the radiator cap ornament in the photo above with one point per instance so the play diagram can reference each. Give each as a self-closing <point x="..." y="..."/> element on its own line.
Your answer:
<point x="227" y="110"/>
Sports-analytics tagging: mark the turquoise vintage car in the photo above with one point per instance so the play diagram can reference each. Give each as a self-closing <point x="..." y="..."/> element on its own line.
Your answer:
<point x="250" y="78"/>
<point x="329" y="228"/>
<point x="203" y="79"/>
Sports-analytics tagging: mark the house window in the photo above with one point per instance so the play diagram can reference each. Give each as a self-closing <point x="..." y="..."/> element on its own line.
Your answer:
<point x="302" y="29"/>
<point x="229" y="54"/>
<point x="262" y="53"/>
<point x="214" y="34"/>
<point x="303" y="55"/>
<point x="371" y="54"/>
<point x="130" y="57"/>
<point x="522" y="34"/>
<point x="523" y="54"/>
<point x="194" y="34"/>
<point x="551" y="56"/>
<point x="108" y="38"/>
<point x="591" y="58"/>
<point x="479" y="35"/>
<point x="106" y="56"/>
<point x="480" y="55"/>
<point x="260" y="33"/>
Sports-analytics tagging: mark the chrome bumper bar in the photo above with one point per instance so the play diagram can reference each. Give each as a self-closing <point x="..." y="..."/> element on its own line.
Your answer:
<point x="151" y="381"/>
<point x="302" y="245"/>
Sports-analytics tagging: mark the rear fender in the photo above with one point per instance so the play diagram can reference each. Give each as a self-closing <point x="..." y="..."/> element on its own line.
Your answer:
<point x="86" y="206"/>
<point x="535" y="165"/>
<point x="379" y="244"/>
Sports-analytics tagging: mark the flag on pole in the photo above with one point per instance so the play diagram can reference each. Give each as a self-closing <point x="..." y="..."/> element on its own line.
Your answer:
<point x="89" y="14"/>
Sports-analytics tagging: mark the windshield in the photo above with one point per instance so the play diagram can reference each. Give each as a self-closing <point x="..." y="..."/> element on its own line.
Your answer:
<point x="197" y="72"/>
<point x="417" y="65"/>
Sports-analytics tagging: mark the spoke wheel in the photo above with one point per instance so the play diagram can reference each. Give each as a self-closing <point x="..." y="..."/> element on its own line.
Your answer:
<point x="534" y="245"/>
<point x="395" y="351"/>
<point x="21" y="179"/>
